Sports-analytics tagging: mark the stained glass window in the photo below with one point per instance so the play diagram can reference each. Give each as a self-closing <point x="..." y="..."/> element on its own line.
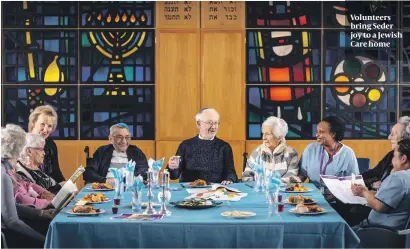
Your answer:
<point x="369" y="111"/>
<point x="125" y="56"/>
<point x="116" y="49"/>
<point x="405" y="14"/>
<point x="338" y="14"/>
<point x="117" y="14"/>
<point x="343" y="63"/>
<point x="30" y="14"/>
<point x="283" y="56"/>
<point x="405" y="101"/>
<point x="298" y="105"/>
<point x="405" y="58"/>
<point x="104" y="106"/>
<point x="20" y="101"/>
<point x="267" y="14"/>
<point x="33" y="56"/>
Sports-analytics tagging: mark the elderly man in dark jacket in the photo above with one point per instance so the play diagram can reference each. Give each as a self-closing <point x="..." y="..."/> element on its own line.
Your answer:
<point x="115" y="155"/>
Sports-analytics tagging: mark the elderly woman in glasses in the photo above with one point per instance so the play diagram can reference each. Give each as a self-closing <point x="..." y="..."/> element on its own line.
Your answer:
<point x="204" y="156"/>
<point x="31" y="158"/>
<point x="115" y="155"/>
<point x="18" y="232"/>
<point x="275" y="154"/>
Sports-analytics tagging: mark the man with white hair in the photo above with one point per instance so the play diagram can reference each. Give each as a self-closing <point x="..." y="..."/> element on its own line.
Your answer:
<point x="204" y="156"/>
<point x="115" y="155"/>
<point x="275" y="154"/>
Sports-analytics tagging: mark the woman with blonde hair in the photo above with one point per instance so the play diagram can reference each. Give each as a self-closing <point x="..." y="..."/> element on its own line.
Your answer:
<point x="275" y="154"/>
<point x="43" y="121"/>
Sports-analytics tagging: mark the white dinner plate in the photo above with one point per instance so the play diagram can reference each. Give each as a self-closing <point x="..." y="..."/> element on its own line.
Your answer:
<point x="101" y="211"/>
<point x="238" y="214"/>
<point x="293" y="210"/>
<point x="291" y="203"/>
<point x="287" y="191"/>
<point x="99" y="189"/>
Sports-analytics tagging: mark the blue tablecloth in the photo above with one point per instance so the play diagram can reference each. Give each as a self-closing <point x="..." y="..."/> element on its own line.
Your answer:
<point x="203" y="228"/>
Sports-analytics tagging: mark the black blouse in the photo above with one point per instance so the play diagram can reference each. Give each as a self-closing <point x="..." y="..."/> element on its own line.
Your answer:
<point x="50" y="165"/>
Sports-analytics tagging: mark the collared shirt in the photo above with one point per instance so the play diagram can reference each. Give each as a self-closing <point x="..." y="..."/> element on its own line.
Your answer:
<point x="199" y="135"/>
<point x="395" y="193"/>
<point x="344" y="163"/>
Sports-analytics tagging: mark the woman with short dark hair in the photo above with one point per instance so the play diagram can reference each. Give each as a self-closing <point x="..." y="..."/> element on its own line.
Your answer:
<point x="328" y="156"/>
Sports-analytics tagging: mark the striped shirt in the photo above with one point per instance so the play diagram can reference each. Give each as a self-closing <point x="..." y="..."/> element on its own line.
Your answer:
<point x="284" y="159"/>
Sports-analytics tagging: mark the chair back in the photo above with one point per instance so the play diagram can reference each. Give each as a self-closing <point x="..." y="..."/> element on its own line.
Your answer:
<point x="245" y="160"/>
<point x="364" y="164"/>
<point x="87" y="155"/>
<point x="3" y="241"/>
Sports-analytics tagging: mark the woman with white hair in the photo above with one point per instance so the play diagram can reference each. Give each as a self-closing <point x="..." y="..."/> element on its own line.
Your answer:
<point x="43" y="121"/>
<point x="31" y="158"/>
<point x="12" y="142"/>
<point x="275" y="154"/>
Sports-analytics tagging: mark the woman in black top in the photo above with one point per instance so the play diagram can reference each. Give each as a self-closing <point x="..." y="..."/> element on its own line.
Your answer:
<point x="43" y="121"/>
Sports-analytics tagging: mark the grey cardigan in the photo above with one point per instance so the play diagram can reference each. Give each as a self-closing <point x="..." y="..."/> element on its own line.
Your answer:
<point x="8" y="207"/>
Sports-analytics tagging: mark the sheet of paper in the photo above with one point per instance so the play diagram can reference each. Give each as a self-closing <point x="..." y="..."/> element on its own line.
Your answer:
<point x="68" y="188"/>
<point x="340" y="187"/>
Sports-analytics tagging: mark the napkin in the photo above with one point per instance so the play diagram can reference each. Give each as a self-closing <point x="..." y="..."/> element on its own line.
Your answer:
<point x="137" y="184"/>
<point x="129" y="172"/>
<point x="156" y="165"/>
<point x="215" y="193"/>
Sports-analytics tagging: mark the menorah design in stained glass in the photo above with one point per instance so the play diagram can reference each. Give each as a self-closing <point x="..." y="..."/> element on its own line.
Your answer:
<point x="123" y="55"/>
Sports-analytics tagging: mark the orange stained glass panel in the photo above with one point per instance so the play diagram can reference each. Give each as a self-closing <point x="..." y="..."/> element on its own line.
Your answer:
<point x="307" y="74"/>
<point x="280" y="93"/>
<point x="279" y="74"/>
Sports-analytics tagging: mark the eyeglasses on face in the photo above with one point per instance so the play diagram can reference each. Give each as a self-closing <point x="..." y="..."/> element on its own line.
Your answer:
<point x="210" y="123"/>
<point x="120" y="138"/>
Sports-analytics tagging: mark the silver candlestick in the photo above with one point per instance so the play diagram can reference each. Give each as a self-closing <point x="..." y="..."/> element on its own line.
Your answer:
<point x="150" y="177"/>
<point x="165" y="193"/>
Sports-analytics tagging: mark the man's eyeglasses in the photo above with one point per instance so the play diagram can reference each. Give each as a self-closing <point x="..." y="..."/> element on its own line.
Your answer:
<point x="211" y="123"/>
<point x="120" y="138"/>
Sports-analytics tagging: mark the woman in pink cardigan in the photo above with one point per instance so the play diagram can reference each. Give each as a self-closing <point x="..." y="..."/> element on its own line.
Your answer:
<point x="29" y="194"/>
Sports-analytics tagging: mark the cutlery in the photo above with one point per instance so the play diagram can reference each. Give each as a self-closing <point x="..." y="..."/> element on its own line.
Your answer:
<point x="249" y="185"/>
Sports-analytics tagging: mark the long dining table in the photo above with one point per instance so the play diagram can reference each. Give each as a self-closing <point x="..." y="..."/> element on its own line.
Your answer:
<point x="205" y="228"/>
